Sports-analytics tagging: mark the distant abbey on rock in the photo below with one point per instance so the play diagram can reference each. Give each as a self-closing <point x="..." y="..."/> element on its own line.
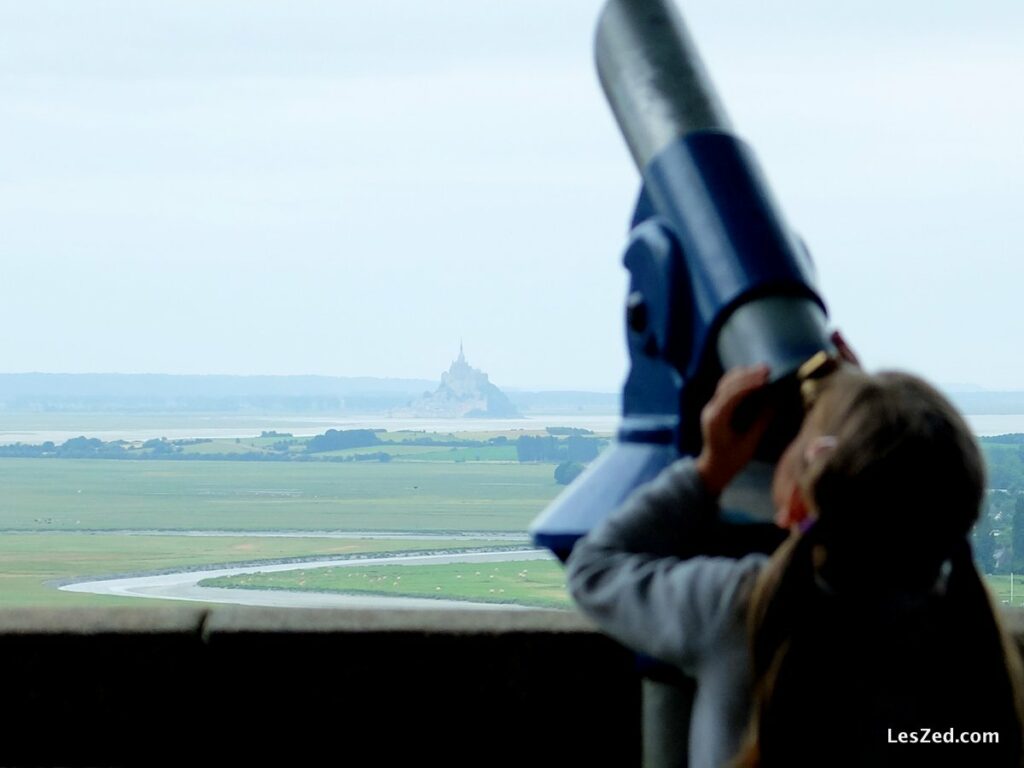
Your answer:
<point x="465" y="392"/>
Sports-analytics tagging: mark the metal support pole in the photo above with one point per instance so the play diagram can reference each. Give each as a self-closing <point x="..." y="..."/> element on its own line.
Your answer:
<point x="666" y="723"/>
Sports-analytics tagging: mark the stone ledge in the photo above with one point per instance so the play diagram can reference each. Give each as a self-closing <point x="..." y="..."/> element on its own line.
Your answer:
<point x="228" y="619"/>
<point x="206" y="622"/>
<point x="182" y="686"/>
<point x="140" y="686"/>
<point x="102" y="621"/>
<point x="447" y="621"/>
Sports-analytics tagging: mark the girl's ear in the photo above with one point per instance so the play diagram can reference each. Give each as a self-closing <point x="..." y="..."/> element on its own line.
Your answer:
<point x="818" y="447"/>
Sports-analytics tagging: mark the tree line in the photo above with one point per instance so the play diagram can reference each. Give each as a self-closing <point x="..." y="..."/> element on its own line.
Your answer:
<point x="998" y="537"/>
<point x="574" y="447"/>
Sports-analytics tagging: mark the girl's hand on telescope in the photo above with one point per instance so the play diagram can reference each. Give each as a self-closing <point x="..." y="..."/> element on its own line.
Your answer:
<point x="726" y="450"/>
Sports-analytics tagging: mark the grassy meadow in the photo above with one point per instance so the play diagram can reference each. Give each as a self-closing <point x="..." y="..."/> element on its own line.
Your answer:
<point x="73" y="519"/>
<point x="535" y="583"/>
<point x="105" y="495"/>
<point x="70" y="519"/>
<point x="1000" y="587"/>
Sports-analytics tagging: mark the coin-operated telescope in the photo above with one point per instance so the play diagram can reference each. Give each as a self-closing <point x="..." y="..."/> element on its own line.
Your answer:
<point x="717" y="277"/>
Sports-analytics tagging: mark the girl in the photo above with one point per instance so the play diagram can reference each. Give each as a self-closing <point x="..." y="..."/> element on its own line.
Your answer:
<point x="868" y="635"/>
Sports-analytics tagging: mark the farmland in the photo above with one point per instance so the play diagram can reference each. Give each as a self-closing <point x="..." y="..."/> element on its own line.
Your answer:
<point x="69" y="519"/>
<point x="101" y="495"/>
<point x="232" y="500"/>
<point x="535" y="583"/>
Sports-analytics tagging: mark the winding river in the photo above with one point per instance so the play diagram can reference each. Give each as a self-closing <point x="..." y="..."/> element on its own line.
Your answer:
<point x="184" y="585"/>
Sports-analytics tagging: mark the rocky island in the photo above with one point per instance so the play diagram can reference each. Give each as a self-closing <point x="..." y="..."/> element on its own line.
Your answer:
<point x="464" y="392"/>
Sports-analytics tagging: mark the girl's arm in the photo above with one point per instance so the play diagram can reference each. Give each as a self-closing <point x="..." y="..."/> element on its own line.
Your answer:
<point x="635" y="574"/>
<point x="626" y="576"/>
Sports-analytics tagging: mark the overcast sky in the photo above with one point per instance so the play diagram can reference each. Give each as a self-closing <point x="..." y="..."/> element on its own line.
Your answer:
<point x="350" y="188"/>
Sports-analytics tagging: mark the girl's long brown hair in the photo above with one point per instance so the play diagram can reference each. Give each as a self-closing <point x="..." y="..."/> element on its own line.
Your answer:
<point x="875" y="621"/>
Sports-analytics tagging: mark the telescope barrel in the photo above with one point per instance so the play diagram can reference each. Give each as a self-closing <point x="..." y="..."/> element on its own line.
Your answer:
<point x="717" y="277"/>
<point x="653" y="76"/>
<point x="708" y="186"/>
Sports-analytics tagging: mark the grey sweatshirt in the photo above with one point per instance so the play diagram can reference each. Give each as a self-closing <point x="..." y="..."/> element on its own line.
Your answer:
<point x="627" y="575"/>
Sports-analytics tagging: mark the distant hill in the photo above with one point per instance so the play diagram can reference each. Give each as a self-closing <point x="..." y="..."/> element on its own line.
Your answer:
<point x="981" y="402"/>
<point x="162" y="393"/>
<point x="134" y="392"/>
<point x="166" y="392"/>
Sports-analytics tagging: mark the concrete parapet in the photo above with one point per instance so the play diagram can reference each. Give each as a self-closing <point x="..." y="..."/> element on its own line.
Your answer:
<point x="250" y="686"/>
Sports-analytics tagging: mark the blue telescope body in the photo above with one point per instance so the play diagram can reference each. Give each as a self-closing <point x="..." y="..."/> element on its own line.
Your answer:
<point x="717" y="278"/>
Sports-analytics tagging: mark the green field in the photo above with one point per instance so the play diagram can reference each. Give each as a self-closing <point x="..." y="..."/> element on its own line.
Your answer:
<point x="530" y="582"/>
<point x="1000" y="586"/>
<point x="64" y="519"/>
<point x="60" y="520"/>
<point x="95" y="494"/>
